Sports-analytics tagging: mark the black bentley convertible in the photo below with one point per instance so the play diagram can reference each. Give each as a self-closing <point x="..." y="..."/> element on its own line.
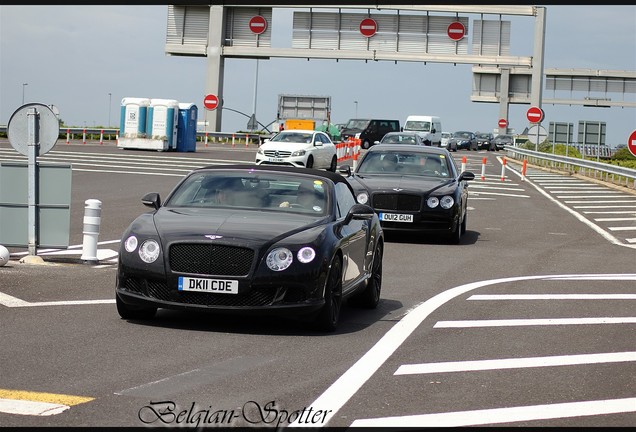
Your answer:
<point x="255" y="240"/>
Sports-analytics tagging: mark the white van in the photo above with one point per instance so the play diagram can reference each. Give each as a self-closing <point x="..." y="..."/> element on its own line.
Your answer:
<point x="429" y="127"/>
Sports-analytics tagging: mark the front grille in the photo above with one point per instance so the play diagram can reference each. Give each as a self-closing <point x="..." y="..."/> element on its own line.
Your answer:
<point x="160" y="291"/>
<point x="277" y="153"/>
<point x="210" y="259"/>
<point x="397" y="202"/>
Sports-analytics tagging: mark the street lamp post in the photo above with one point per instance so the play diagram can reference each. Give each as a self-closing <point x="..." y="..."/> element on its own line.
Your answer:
<point x="23" y="86"/>
<point x="356" y="102"/>
<point x="110" y="99"/>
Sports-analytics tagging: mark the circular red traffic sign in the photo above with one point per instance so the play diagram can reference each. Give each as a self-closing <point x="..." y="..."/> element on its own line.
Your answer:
<point x="210" y="101"/>
<point x="368" y="27"/>
<point x="258" y="24"/>
<point x="502" y="123"/>
<point x="535" y="114"/>
<point x="631" y="143"/>
<point x="456" y="30"/>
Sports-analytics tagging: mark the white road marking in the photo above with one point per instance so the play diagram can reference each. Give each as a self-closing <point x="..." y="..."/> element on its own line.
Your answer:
<point x="345" y="387"/>
<point x="533" y="322"/>
<point x="505" y="415"/>
<point x="515" y="363"/>
<point x="552" y="297"/>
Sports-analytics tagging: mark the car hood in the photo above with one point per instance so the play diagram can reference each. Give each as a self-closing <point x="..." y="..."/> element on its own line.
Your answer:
<point x="239" y="226"/>
<point x="382" y="182"/>
<point x="284" y="146"/>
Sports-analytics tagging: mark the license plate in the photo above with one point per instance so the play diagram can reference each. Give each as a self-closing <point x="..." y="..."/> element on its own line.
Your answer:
<point x="394" y="217"/>
<point x="220" y="286"/>
<point x="275" y="159"/>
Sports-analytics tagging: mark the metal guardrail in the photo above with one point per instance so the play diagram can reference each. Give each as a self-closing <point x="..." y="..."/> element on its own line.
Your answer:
<point x="598" y="170"/>
<point x="95" y="133"/>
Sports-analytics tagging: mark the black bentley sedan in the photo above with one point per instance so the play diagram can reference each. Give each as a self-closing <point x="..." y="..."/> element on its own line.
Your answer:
<point x="413" y="189"/>
<point x="255" y="240"/>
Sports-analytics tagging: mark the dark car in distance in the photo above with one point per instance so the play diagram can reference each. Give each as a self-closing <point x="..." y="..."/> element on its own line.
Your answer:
<point x="246" y="239"/>
<point x="503" y="140"/>
<point x="465" y="140"/>
<point x="368" y="131"/>
<point x="484" y="141"/>
<point x="405" y="137"/>
<point x="415" y="189"/>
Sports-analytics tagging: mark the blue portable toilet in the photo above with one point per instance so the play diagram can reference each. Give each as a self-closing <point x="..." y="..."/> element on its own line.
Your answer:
<point x="161" y="122"/>
<point x="187" y="127"/>
<point x="132" y="123"/>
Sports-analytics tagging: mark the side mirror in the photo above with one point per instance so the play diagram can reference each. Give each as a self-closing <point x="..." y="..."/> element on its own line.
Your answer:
<point x="433" y="130"/>
<point x="345" y="169"/>
<point x="466" y="175"/>
<point x="152" y="199"/>
<point x="359" y="212"/>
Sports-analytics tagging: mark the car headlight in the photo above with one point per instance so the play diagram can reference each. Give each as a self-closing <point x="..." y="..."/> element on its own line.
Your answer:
<point x="131" y="243"/>
<point x="279" y="259"/>
<point x="298" y="153"/>
<point x="362" y="198"/>
<point x="432" y="202"/>
<point x="149" y="251"/>
<point x="447" y="202"/>
<point x="259" y="151"/>
<point x="358" y="135"/>
<point x="306" y="255"/>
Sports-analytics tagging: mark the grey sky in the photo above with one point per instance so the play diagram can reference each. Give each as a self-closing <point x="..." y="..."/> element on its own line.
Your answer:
<point x="74" y="56"/>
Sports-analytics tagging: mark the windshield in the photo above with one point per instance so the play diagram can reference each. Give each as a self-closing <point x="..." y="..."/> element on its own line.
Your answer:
<point x="399" y="139"/>
<point x="293" y="137"/>
<point x="422" y="126"/>
<point x="359" y="124"/>
<point x="252" y="191"/>
<point x="461" y="135"/>
<point x="405" y="163"/>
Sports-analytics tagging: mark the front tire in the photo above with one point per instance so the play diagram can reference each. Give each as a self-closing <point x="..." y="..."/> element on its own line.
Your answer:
<point x="329" y="315"/>
<point x="456" y="236"/>
<point x="310" y="162"/>
<point x="334" y="164"/>
<point x="370" y="297"/>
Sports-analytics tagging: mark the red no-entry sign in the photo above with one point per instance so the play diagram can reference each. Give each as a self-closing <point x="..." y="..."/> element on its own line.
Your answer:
<point x="502" y="123"/>
<point x="535" y="114"/>
<point x="258" y="24"/>
<point x="456" y="30"/>
<point x="210" y="101"/>
<point x="368" y="27"/>
<point x="631" y="143"/>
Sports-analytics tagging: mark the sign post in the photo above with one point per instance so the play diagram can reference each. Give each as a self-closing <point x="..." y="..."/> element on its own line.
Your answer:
<point x="535" y="114"/>
<point x="258" y="24"/>
<point x="456" y="31"/>
<point x="503" y="124"/>
<point x="211" y="102"/>
<point x="631" y="143"/>
<point x="368" y="27"/>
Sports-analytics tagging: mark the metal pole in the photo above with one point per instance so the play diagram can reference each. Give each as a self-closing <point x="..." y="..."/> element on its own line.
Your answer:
<point x="356" y="102"/>
<point x="33" y="142"/>
<point x="255" y="90"/>
<point x="110" y="99"/>
<point x="23" y="85"/>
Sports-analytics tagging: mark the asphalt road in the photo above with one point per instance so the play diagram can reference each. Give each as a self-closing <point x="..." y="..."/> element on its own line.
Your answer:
<point x="529" y="321"/>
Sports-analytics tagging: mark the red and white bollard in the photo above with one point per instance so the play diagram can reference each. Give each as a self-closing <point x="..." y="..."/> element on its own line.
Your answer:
<point x="206" y="138"/>
<point x="523" y="169"/>
<point x="463" y="163"/>
<point x="247" y="140"/>
<point x="503" y="169"/>
<point x="84" y="137"/>
<point x="68" y="136"/>
<point x="233" y="140"/>
<point x="101" y="137"/>
<point x="483" y="168"/>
